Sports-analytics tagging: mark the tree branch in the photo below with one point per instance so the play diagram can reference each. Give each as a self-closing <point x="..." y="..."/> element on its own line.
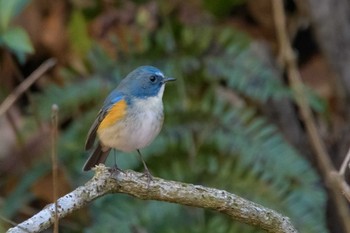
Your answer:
<point x="129" y="182"/>
<point x="327" y="169"/>
<point x="7" y="103"/>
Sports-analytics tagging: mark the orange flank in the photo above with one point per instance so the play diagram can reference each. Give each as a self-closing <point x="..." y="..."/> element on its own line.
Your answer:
<point x="115" y="113"/>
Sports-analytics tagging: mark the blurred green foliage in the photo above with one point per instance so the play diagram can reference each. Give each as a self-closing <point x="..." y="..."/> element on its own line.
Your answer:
<point x="207" y="138"/>
<point x="11" y="37"/>
<point x="222" y="8"/>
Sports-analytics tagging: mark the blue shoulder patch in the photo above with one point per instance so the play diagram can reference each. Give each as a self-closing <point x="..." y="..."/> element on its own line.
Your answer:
<point x="114" y="97"/>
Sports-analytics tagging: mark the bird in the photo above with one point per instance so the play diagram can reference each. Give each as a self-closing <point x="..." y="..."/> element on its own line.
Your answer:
<point x="130" y="118"/>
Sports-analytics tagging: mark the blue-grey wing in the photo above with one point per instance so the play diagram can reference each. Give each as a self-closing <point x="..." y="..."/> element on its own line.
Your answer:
<point x="111" y="99"/>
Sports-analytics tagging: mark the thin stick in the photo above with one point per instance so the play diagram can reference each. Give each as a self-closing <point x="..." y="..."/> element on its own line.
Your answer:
<point x="10" y="99"/>
<point x="54" y="121"/>
<point x="345" y="164"/>
<point x="13" y="223"/>
<point x="326" y="166"/>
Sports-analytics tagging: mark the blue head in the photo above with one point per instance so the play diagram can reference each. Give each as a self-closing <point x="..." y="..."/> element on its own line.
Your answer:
<point x="144" y="82"/>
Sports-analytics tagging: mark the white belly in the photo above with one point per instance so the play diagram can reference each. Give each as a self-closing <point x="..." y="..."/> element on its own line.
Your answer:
<point x="139" y="129"/>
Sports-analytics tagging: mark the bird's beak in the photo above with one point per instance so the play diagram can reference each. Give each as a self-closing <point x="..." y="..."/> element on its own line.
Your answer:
<point x="167" y="79"/>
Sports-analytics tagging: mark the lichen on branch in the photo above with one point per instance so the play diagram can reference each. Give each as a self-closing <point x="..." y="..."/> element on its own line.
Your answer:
<point x="129" y="182"/>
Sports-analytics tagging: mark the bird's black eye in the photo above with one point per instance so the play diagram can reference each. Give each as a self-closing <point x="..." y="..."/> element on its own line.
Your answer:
<point x="153" y="78"/>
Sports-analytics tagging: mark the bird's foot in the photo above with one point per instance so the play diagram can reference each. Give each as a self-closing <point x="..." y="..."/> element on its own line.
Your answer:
<point x="148" y="175"/>
<point x="116" y="169"/>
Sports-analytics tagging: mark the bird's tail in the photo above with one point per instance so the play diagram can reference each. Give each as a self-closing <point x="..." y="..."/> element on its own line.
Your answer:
<point x="98" y="156"/>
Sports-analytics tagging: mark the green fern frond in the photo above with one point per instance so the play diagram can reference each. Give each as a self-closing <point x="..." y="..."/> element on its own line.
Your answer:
<point x="71" y="99"/>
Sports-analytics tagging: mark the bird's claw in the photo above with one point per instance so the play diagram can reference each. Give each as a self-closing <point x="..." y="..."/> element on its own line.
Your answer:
<point x="149" y="176"/>
<point x="116" y="169"/>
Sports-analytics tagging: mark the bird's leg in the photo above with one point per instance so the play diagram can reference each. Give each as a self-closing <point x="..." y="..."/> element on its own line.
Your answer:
<point x="115" y="158"/>
<point x="146" y="172"/>
<point x="115" y="166"/>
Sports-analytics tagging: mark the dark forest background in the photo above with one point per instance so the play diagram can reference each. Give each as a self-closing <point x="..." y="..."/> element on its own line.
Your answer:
<point x="231" y="119"/>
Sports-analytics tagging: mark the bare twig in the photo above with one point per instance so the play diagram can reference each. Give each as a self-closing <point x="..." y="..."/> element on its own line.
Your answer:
<point x="339" y="180"/>
<point x="340" y="176"/>
<point x="345" y="164"/>
<point x="288" y="59"/>
<point x="129" y="182"/>
<point x="8" y="221"/>
<point x="54" y="119"/>
<point x="7" y="103"/>
<point x="12" y="223"/>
